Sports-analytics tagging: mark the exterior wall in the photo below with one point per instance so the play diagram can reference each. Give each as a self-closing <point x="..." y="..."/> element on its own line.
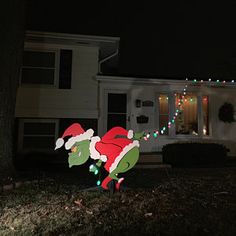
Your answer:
<point x="78" y="102"/>
<point x="220" y="132"/>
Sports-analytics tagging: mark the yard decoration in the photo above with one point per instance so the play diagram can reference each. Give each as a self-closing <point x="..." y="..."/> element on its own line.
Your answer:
<point x="117" y="150"/>
<point x="226" y="112"/>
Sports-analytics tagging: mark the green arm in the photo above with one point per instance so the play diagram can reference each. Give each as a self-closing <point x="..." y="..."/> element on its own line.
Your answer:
<point x="139" y="135"/>
<point x="95" y="167"/>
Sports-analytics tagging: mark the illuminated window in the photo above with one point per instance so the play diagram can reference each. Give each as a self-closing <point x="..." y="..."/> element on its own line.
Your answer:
<point x="187" y="119"/>
<point x="205" y="111"/>
<point x="163" y="113"/>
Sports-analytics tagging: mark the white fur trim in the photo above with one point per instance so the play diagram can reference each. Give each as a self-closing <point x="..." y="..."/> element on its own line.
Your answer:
<point x="103" y="158"/>
<point x="130" y="134"/>
<point x="86" y="135"/>
<point x="127" y="148"/>
<point x="121" y="179"/>
<point x="94" y="154"/>
<point x="59" y="143"/>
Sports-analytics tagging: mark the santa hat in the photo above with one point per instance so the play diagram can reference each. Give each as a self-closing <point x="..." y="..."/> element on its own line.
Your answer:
<point x="78" y="134"/>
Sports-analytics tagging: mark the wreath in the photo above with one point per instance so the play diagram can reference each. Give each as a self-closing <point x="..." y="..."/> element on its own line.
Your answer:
<point x="226" y="113"/>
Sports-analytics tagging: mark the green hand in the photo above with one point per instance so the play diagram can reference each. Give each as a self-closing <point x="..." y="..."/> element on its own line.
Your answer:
<point x="139" y="135"/>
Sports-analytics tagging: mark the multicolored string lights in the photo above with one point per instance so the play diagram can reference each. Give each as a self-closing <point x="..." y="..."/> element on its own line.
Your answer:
<point x="183" y="99"/>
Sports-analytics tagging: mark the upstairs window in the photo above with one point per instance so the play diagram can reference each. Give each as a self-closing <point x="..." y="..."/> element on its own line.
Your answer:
<point x="39" y="68"/>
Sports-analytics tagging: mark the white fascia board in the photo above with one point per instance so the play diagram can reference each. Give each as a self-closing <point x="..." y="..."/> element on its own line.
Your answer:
<point x="137" y="80"/>
<point x="72" y="37"/>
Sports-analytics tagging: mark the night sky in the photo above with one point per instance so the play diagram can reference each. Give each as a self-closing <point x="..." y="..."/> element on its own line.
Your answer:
<point x="169" y="40"/>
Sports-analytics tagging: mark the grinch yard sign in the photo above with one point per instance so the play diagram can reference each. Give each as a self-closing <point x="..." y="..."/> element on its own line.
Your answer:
<point x="117" y="150"/>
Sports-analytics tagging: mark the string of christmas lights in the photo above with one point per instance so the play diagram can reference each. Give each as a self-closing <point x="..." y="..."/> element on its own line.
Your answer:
<point x="147" y="135"/>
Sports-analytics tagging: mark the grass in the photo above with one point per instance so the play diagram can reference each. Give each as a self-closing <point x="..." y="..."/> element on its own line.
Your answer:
<point x="180" y="202"/>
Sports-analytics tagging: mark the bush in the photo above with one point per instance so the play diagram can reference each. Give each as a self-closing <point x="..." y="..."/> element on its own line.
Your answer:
<point x="194" y="154"/>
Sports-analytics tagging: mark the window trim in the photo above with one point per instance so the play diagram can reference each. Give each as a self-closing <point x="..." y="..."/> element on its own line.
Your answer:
<point x="56" y="68"/>
<point x="168" y="114"/>
<point x="35" y="120"/>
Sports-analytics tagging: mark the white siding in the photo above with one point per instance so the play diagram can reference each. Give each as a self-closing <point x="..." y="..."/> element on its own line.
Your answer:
<point x="78" y="102"/>
<point x="220" y="132"/>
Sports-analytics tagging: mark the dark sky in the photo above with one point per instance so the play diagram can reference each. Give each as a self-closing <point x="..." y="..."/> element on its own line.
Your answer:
<point x="173" y="39"/>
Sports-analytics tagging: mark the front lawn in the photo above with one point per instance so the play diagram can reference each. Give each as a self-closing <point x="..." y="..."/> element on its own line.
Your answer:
<point x="156" y="202"/>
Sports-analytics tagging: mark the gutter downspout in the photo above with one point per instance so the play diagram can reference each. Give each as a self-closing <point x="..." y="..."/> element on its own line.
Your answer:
<point x="106" y="59"/>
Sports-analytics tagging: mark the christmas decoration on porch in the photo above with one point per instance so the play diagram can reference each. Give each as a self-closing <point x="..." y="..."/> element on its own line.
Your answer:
<point x="226" y="112"/>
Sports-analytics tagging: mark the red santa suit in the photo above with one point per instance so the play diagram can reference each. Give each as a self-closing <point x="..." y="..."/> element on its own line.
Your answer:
<point x="112" y="147"/>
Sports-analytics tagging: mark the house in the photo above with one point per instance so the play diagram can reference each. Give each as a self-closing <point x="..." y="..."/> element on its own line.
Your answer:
<point x="67" y="78"/>
<point x="58" y="86"/>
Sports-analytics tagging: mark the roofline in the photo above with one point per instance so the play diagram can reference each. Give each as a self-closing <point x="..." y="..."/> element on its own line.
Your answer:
<point x="146" y="80"/>
<point x="137" y="79"/>
<point x="55" y="35"/>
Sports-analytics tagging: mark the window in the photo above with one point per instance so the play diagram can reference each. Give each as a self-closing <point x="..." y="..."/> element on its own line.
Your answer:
<point x="39" y="68"/>
<point x="205" y="130"/>
<point x="37" y="134"/>
<point x="187" y="119"/>
<point x="163" y="113"/>
<point x="116" y="110"/>
<point x="192" y="110"/>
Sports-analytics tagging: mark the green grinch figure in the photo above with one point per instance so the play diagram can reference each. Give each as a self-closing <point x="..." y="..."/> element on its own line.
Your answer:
<point x="118" y="150"/>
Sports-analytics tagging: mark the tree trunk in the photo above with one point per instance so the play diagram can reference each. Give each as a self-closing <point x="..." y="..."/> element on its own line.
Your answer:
<point x="11" y="47"/>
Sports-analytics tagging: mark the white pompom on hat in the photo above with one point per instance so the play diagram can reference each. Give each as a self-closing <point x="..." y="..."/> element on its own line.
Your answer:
<point x="78" y="134"/>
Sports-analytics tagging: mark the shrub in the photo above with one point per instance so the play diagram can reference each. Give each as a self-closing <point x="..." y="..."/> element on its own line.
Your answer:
<point x="194" y="154"/>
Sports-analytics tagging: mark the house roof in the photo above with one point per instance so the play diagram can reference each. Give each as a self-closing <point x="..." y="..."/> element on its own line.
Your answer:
<point x="106" y="44"/>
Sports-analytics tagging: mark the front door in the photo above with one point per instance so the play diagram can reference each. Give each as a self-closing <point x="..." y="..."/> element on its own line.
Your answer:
<point x="116" y="110"/>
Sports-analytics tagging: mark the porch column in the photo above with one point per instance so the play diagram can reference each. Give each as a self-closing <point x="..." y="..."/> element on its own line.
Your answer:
<point x="172" y="109"/>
